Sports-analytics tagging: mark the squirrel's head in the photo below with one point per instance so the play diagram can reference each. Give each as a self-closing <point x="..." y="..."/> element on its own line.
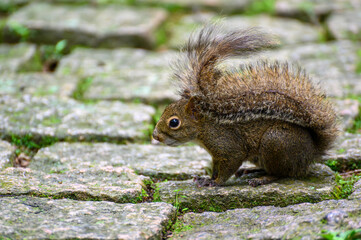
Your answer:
<point x="177" y="124"/>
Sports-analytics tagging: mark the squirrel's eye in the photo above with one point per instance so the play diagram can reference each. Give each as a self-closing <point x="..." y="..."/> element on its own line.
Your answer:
<point x="174" y="123"/>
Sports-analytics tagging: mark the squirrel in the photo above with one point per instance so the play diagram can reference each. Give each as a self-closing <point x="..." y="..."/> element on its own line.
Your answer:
<point x="270" y="114"/>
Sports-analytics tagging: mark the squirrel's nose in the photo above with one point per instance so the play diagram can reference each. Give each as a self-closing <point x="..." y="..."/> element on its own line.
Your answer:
<point x="155" y="140"/>
<point x="155" y="134"/>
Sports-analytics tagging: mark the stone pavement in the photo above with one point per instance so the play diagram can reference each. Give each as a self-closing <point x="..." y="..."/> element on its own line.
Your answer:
<point x="82" y="131"/>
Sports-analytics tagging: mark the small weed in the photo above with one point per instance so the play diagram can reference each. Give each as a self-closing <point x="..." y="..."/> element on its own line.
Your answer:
<point x="356" y="125"/>
<point x="177" y="202"/>
<point x="20" y="30"/>
<point x="261" y="6"/>
<point x="156" y="195"/>
<point x="161" y="36"/>
<point x="82" y="86"/>
<point x="344" y="186"/>
<point x="357" y="122"/>
<point x="347" y="235"/>
<point x="179" y="226"/>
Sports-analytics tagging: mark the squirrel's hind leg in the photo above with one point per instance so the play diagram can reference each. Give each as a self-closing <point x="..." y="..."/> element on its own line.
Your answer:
<point x="286" y="150"/>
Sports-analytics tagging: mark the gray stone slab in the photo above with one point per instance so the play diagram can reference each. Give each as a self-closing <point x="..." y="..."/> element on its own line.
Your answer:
<point x="116" y="184"/>
<point x="346" y="154"/>
<point x="296" y="33"/>
<point x="88" y="62"/>
<point x="331" y="65"/>
<point x="69" y="119"/>
<point x="345" y="25"/>
<point x="95" y="26"/>
<point x="15" y="57"/>
<point x="6" y="152"/>
<point x="122" y="74"/>
<point x="41" y="218"/>
<point x="313" y="9"/>
<point x="153" y="86"/>
<point x="223" y="6"/>
<point x="37" y="84"/>
<point x="156" y="161"/>
<point x="302" y="221"/>
<point x="317" y="187"/>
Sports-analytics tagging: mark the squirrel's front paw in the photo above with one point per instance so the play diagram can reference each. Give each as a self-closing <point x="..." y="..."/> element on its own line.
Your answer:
<point x="254" y="182"/>
<point x="204" y="182"/>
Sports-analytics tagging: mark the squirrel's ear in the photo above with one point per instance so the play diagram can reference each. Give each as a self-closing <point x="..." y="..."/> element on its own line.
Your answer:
<point x="191" y="109"/>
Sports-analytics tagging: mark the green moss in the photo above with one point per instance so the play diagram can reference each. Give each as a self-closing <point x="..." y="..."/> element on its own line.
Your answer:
<point x="51" y="121"/>
<point x="261" y="6"/>
<point x="6" y="185"/>
<point x="358" y="62"/>
<point x="33" y="65"/>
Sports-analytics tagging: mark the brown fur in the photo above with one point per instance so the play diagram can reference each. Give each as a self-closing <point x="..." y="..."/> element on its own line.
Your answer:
<point x="268" y="113"/>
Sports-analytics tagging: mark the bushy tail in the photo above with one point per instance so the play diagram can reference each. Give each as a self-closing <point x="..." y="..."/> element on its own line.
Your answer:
<point x="196" y="70"/>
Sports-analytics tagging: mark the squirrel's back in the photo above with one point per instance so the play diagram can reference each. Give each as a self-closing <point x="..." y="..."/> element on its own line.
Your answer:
<point x="251" y="92"/>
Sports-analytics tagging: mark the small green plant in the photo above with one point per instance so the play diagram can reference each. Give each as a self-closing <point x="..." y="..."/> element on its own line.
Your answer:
<point x="20" y="30"/>
<point x="156" y="195"/>
<point x="347" y="235"/>
<point x="177" y="202"/>
<point x="333" y="164"/>
<point x="261" y="6"/>
<point x="344" y="186"/>
<point x="142" y="196"/>
<point x="51" y="54"/>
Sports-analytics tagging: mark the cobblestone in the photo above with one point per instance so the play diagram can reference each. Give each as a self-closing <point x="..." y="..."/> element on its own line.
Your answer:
<point x="101" y="26"/>
<point x="15" y="57"/>
<point x="155" y="161"/>
<point x="68" y="219"/>
<point x="37" y="84"/>
<point x="66" y="119"/>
